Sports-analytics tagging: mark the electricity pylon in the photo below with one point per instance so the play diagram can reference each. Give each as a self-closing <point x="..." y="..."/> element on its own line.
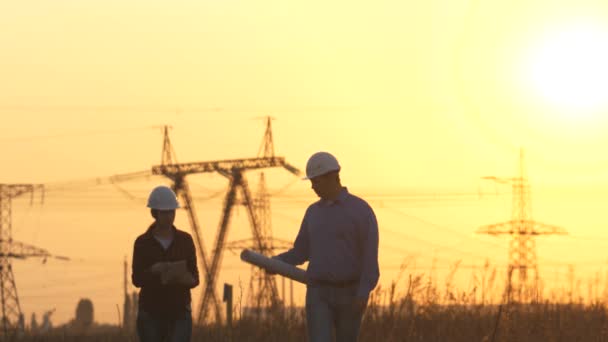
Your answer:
<point x="234" y="170"/>
<point x="170" y="169"/>
<point x="263" y="293"/>
<point x="522" y="277"/>
<point x="11" y="310"/>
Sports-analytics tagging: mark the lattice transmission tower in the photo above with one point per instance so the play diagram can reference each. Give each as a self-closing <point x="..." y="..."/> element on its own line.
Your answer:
<point x="263" y="293"/>
<point x="12" y="316"/>
<point x="234" y="170"/>
<point x="522" y="275"/>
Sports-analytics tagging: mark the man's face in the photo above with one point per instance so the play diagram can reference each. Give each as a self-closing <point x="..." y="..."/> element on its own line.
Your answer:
<point x="165" y="217"/>
<point x="323" y="184"/>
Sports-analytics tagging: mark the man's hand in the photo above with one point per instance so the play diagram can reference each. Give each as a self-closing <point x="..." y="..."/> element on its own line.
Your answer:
<point x="359" y="304"/>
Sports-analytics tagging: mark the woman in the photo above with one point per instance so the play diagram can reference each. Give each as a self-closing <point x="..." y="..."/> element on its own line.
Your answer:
<point x="164" y="267"/>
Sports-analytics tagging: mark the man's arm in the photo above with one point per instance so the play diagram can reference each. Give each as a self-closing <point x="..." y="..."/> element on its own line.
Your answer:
<point x="301" y="247"/>
<point x="370" y="271"/>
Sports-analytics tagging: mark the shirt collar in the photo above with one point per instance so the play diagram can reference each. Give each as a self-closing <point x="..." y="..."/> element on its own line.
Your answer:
<point x="340" y="199"/>
<point x="149" y="231"/>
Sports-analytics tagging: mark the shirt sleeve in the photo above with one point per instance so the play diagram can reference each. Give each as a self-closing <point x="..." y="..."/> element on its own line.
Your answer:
<point x="191" y="262"/>
<point x="141" y="276"/>
<point x="370" y="272"/>
<point x="301" y="247"/>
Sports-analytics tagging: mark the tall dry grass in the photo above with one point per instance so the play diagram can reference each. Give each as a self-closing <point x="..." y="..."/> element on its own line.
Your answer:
<point x="416" y="308"/>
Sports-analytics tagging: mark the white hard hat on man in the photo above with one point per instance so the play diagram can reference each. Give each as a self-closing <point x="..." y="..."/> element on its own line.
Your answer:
<point x="163" y="198"/>
<point x="321" y="163"/>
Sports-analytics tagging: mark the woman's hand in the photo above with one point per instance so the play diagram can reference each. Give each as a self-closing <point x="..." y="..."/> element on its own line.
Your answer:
<point x="159" y="267"/>
<point x="185" y="278"/>
<point x="176" y="273"/>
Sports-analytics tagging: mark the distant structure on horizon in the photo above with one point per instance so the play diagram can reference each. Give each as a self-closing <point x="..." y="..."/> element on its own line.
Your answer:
<point x="522" y="275"/>
<point x="263" y="294"/>
<point x="130" y="304"/>
<point x="12" y="316"/>
<point x="234" y="171"/>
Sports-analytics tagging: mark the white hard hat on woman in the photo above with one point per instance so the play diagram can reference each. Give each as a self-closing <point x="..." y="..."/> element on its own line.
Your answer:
<point x="163" y="198"/>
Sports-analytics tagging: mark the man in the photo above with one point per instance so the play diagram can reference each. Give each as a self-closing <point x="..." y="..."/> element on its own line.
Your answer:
<point x="164" y="266"/>
<point x="339" y="239"/>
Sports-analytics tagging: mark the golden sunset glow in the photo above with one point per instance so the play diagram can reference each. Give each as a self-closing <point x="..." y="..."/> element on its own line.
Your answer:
<point x="568" y="68"/>
<point x="417" y="99"/>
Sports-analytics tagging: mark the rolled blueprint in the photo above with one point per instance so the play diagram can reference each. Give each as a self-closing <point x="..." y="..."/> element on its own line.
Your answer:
<point x="274" y="265"/>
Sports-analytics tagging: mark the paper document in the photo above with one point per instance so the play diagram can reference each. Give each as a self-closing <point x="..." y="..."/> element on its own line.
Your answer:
<point x="175" y="272"/>
<point x="274" y="265"/>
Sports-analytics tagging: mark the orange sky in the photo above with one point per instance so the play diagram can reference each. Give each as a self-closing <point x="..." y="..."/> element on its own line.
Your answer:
<point x="411" y="96"/>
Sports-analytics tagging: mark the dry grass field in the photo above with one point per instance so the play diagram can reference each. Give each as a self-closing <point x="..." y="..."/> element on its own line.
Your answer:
<point x="522" y="323"/>
<point x="419" y="312"/>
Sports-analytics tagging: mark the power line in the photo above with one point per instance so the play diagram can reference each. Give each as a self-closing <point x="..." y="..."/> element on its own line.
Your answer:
<point x="438" y="246"/>
<point x="436" y="226"/>
<point x="442" y="228"/>
<point x="176" y="109"/>
<point x="80" y="133"/>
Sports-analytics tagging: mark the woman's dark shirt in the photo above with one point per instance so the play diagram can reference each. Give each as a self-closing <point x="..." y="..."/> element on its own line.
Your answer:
<point x="154" y="297"/>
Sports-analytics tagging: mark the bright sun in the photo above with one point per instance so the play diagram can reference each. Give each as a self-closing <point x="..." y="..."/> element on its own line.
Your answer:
<point x="569" y="68"/>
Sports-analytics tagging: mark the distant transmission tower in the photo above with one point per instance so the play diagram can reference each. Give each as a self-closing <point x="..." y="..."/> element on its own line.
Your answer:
<point x="234" y="170"/>
<point x="263" y="293"/>
<point x="11" y="310"/>
<point x="266" y="294"/>
<point x="522" y="277"/>
<point x="182" y="189"/>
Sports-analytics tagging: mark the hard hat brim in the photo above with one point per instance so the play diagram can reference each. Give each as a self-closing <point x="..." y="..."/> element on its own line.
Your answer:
<point x="323" y="174"/>
<point x="164" y="208"/>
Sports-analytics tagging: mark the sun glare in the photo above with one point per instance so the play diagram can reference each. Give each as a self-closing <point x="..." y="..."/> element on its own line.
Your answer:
<point x="569" y="68"/>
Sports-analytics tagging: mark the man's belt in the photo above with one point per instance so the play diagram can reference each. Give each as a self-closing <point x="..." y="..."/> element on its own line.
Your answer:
<point x="337" y="284"/>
